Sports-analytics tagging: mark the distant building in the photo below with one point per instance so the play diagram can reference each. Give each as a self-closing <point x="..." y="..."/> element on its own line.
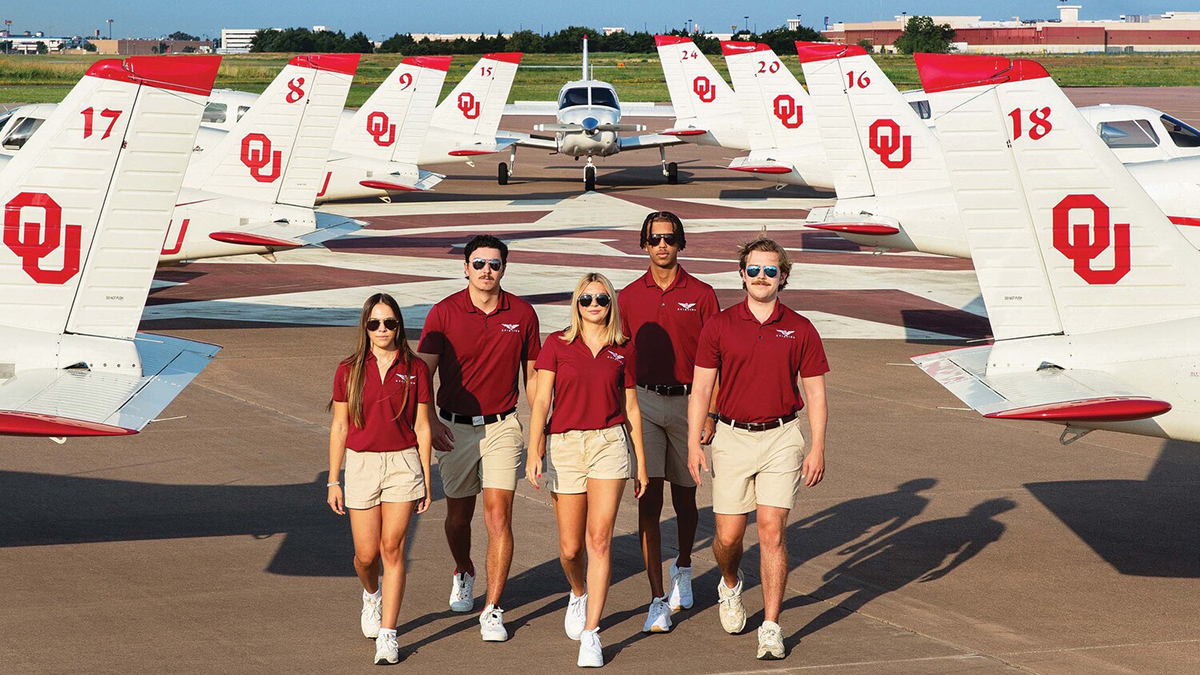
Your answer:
<point x="451" y="37"/>
<point x="143" y="47"/>
<point x="609" y="30"/>
<point x="236" y="40"/>
<point x="28" y="42"/>
<point x="1168" y="32"/>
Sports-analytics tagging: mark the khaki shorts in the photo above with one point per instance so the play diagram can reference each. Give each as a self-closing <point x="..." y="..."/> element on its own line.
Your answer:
<point x="374" y="477"/>
<point x="575" y="456"/>
<point x="664" y="436"/>
<point x="756" y="468"/>
<point x="484" y="456"/>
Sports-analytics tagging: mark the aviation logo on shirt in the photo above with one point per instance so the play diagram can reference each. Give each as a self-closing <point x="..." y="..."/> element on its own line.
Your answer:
<point x="787" y="334"/>
<point x="687" y="306"/>
<point x="408" y="380"/>
<point x="510" y="328"/>
<point x="615" y="356"/>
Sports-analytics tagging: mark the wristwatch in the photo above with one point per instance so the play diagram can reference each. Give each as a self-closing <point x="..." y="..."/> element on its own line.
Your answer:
<point x="715" y="417"/>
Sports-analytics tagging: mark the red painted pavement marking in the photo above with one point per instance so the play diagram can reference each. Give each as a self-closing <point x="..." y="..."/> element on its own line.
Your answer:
<point x="237" y="280"/>
<point x="454" y="220"/>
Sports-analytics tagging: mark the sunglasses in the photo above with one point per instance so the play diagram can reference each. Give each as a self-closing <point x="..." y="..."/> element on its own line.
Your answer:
<point x="654" y="239"/>
<point x="390" y="324"/>
<point x="602" y="299"/>
<point x="770" y="270"/>
<point x="494" y="263"/>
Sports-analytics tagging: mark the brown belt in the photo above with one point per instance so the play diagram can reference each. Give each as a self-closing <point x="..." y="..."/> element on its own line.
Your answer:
<point x="758" y="426"/>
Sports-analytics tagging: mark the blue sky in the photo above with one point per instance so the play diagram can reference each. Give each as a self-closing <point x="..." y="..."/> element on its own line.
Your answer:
<point x="150" y="18"/>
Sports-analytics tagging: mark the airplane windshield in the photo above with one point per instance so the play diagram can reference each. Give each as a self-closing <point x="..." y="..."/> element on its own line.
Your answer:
<point x="4" y="119"/>
<point x="1183" y="135"/>
<point x="21" y="133"/>
<point x="579" y="96"/>
<point x="921" y="108"/>
<point x="1128" y="134"/>
<point x="214" y="113"/>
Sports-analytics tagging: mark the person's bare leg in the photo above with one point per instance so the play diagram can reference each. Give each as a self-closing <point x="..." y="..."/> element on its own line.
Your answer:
<point x="773" y="565"/>
<point x="497" y="514"/>
<point x="365" y="529"/>
<point x="459" y="512"/>
<point x="603" y="499"/>
<point x="687" y="519"/>
<point x="396" y="516"/>
<point x="727" y="545"/>
<point x="571" y="512"/>
<point x="649" y="514"/>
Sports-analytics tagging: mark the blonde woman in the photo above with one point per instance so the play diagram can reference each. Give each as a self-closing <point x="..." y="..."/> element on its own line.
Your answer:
<point x="381" y="396"/>
<point x="587" y="372"/>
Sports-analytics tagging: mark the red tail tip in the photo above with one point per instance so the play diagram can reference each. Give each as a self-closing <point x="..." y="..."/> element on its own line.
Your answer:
<point x="667" y="40"/>
<point x="346" y="64"/>
<point x="507" y="57"/>
<point x="944" y="72"/>
<point x="188" y="74"/>
<point x="810" y="52"/>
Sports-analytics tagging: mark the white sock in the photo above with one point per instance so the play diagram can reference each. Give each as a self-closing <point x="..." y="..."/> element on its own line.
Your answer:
<point x="378" y="594"/>
<point x="577" y="597"/>
<point x="387" y="631"/>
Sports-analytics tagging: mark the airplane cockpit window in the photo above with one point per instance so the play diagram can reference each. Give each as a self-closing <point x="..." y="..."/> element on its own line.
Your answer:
<point x="214" y="113"/>
<point x="1128" y="134"/>
<point x="579" y="96"/>
<point x="4" y="119"/>
<point x="21" y="133"/>
<point x="242" y="111"/>
<point x="1181" y="133"/>
<point x="922" y="109"/>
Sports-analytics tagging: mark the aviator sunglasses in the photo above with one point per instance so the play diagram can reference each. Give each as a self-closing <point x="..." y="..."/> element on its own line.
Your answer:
<point x="770" y="270"/>
<point x="390" y="324"/>
<point x="602" y="299"/>
<point x="654" y="239"/>
<point x="494" y="263"/>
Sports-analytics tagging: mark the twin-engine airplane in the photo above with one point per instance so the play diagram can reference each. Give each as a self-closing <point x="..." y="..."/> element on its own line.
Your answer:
<point x="1092" y="292"/>
<point x="87" y="203"/>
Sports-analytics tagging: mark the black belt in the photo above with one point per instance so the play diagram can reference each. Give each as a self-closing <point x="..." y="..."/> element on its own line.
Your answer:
<point x="474" y="420"/>
<point x="668" y="389"/>
<point x="758" y="426"/>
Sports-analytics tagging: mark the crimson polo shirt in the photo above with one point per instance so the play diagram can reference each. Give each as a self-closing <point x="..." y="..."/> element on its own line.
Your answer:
<point x="665" y="324"/>
<point x="589" y="391"/>
<point x="480" y="355"/>
<point x="383" y="430"/>
<point x="759" y="362"/>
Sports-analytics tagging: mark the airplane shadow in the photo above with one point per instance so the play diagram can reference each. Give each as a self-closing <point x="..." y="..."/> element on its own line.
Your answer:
<point x="1141" y="528"/>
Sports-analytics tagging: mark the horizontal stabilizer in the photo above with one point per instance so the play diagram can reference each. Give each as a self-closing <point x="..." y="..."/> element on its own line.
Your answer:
<point x="866" y="229"/>
<point x="648" y="141"/>
<point x="690" y="131"/>
<point x="1049" y="394"/>
<point x="500" y="145"/>
<point x="252" y="239"/>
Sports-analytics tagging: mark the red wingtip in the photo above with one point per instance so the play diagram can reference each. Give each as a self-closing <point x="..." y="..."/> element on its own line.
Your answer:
<point x="865" y="229"/>
<point x="733" y="47"/>
<point x="1113" y="409"/>
<point x="16" y="423"/>
<point x="388" y="185"/>
<point x="433" y="62"/>
<point x="944" y="72"/>
<point x="667" y="40"/>
<point x="507" y="57"/>
<point x="188" y="74"/>
<point x="246" y="239"/>
<point x="346" y="64"/>
<point x="823" y="51"/>
<point x="769" y="169"/>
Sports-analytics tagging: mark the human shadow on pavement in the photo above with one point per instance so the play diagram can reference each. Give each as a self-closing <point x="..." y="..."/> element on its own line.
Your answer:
<point x="918" y="553"/>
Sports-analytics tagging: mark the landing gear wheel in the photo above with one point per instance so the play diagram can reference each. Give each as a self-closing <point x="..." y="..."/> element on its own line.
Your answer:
<point x="502" y="173"/>
<point x="589" y="179"/>
<point x="673" y="173"/>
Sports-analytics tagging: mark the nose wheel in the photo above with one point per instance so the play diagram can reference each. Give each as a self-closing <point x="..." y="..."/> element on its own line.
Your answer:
<point x="589" y="176"/>
<point x="669" y="169"/>
<point x="502" y="173"/>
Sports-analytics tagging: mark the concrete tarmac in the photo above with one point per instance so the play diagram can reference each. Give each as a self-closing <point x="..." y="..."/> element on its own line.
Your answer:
<point x="939" y="542"/>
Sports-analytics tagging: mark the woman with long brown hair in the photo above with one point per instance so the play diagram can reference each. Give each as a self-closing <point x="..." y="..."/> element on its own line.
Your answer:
<point x="587" y="372"/>
<point x="381" y="396"/>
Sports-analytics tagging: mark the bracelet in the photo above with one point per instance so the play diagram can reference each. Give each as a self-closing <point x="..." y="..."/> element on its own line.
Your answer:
<point x="336" y="482"/>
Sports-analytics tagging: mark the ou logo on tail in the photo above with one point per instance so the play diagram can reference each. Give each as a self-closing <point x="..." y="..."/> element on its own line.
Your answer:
<point x="33" y="241"/>
<point x="379" y="129"/>
<point x="886" y="144"/>
<point x="1082" y="243"/>
<point x="704" y="89"/>
<point x="257" y="155"/>
<point x="468" y="105"/>
<point x="790" y="115"/>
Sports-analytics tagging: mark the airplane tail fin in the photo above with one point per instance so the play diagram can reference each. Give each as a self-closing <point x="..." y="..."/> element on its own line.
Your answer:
<point x="1063" y="239"/>
<point x="476" y="104"/>
<point x="88" y="200"/>
<point x="776" y="108"/>
<point x="276" y="152"/>
<point x="698" y="92"/>
<point x="392" y="123"/>
<point x="875" y="141"/>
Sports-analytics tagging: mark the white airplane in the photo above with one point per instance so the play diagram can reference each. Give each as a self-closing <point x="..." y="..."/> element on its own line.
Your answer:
<point x="460" y="129"/>
<point x="891" y="180"/>
<point x="589" y="125"/>
<point x="1093" y="294"/>
<point x="86" y="205"/>
<point x="706" y="109"/>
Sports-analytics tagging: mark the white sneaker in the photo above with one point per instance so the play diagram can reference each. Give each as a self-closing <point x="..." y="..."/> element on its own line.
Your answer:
<point x="491" y="624"/>
<point x="770" y="641"/>
<point x="462" y="593"/>
<point x="372" y="615"/>
<point x="387" y="649"/>
<point x="680" y="596"/>
<point x="591" y="655"/>
<point x="576" y="617"/>
<point x="659" y="618"/>
<point x="730" y="607"/>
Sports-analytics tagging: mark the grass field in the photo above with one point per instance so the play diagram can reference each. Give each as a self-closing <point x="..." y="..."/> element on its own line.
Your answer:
<point x="638" y="77"/>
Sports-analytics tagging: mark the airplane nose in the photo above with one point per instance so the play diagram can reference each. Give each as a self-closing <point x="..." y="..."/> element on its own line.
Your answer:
<point x="589" y="125"/>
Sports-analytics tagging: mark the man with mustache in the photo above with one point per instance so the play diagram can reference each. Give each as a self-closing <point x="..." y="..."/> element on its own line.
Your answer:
<point x="759" y="346"/>
<point x="480" y="341"/>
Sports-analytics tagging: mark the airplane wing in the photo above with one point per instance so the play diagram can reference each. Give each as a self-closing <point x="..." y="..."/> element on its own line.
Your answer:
<point x="82" y="402"/>
<point x="282" y="235"/>
<point x="484" y="148"/>
<point x="648" y="141"/>
<point x="1050" y="394"/>
<point x="867" y="224"/>
<point x="525" y="140"/>
<point x="629" y="109"/>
